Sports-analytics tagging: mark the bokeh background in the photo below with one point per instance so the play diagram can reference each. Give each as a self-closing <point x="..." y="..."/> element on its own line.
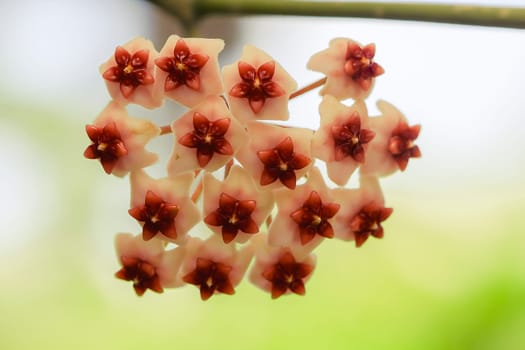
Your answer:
<point x="449" y="274"/>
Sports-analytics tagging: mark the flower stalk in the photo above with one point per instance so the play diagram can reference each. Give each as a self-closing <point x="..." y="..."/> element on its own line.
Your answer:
<point x="191" y="11"/>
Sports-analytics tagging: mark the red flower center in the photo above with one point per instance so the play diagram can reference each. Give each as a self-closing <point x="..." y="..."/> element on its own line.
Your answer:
<point x="312" y="218"/>
<point x="107" y="145"/>
<point x="130" y="71"/>
<point x="401" y="144"/>
<point x="210" y="276"/>
<point x="286" y="274"/>
<point x="280" y="163"/>
<point x="257" y="84"/>
<point x="208" y="138"/>
<point x="233" y="215"/>
<point x="183" y="68"/>
<point x="368" y="222"/>
<point x="349" y="139"/>
<point x="360" y="66"/>
<point x="142" y="273"/>
<point x="157" y="215"/>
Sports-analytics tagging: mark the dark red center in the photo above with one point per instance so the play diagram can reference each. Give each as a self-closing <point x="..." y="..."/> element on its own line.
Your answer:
<point x="157" y="215"/>
<point x="401" y="144"/>
<point x="286" y="274"/>
<point x="210" y="276"/>
<point x="142" y="273"/>
<point x="368" y="222"/>
<point x="281" y="162"/>
<point x="349" y="139"/>
<point x="208" y="138"/>
<point x="359" y="64"/>
<point x="107" y="145"/>
<point x="257" y="84"/>
<point x="233" y="215"/>
<point x="130" y="71"/>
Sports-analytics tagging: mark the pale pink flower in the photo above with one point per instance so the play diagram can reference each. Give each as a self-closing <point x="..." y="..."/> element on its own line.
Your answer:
<point x="342" y="138"/>
<point x="349" y="68"/>
<point x="393" y="144"/>
<point x="235" y="208"/>
<point x="189" y="69"/>
<point x="129" y="74"/>
<point x="214" y="267"/>
<point x="206" y="137"/>
<point x="304" y="217"/>
<point x="257" y="87"/>
<point x="276" y="270"/>
<point x="362" y="211"/>
<point x="276" y="156"/>
<point x="163" y="206"/>
<point x="147" y="264"/>
<point x="118" y="140"/>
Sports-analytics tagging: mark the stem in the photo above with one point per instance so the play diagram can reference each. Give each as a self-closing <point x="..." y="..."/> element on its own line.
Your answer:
<point x="308" y="87"/>
<point x="190" y="11"/>
<point x="165" y="129"/>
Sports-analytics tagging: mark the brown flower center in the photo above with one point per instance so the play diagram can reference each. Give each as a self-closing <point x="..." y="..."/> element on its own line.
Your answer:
<point x="312" y="218"/>
<point x="208" y="138"/>
<point x="142" y="273"/>
<point x="157" y="216"/>
<point x="257" y="84"/>
<point x="349" y="139"/>
<point x="210" y="276"/>
<point x="368" y="222"/>
<point x="281" y="162"/>
<point x="359" y="64"/>
<point x="233" y="215"/>
<point x="401" y="144"/>
<point x="107" y="145"/>
<point x="287" y="274"/>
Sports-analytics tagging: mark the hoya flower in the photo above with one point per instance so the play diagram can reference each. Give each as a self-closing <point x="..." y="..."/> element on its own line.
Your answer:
<point x="163" y="206"/>
<point x="276" y="156"/>
<point x="118" y="141"/>
<point x="214" y="267"/>
<point x="257" y="87"/>
<point x="147" y="264"/>
<point x="349" y="68"/>
<point x="278" y="271"/>
<point x="304" y="218"/>
<point x="342" y="138"/>
<point x="362" y="211"/>
<point x="206" y="137"/>
<point x="235" y="208"/>
<point x="189" y="69"/>
<point x="393" y="144"/>
<point x="129" y="74"/>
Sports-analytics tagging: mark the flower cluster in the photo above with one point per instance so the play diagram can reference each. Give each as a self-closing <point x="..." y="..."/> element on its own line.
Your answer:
<point x="242" y="193"/>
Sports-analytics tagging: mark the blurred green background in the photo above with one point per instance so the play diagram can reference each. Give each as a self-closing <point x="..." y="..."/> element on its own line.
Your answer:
<point x="449" y="274"/>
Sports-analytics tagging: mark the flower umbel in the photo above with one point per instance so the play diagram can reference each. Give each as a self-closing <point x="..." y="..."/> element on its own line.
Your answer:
<point x="252" y="187"/>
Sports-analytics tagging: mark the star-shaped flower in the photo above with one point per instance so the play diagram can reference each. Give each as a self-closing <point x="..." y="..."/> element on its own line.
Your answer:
<point x="129" y="74"/>
<point x="118" y="141"/>
<point x="214" y="267"/>
<point x="234" y="208"/>
<point x="206" y="137"/>
<point x="163" y="206"/>
<point x="278" y="271"/>
<point x="189" y="69"/>
<point x="257" y="86"/>
<point x="393" y="145"/>
<point x="147" y="264"/>
<point x="349" y="68"/>
<point x="362" y="211"/>
<point x="342" y="138"/>
<point x="305" y="218"/>
<point x="276" y="156"/>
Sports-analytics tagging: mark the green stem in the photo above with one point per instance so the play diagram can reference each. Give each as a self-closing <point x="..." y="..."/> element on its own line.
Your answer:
<point x="190" y="11"/>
